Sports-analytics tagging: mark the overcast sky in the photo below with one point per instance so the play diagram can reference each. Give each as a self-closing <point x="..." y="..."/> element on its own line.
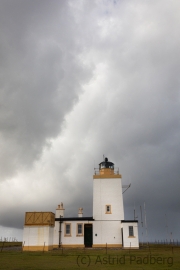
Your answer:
<point x="79" y="80"/>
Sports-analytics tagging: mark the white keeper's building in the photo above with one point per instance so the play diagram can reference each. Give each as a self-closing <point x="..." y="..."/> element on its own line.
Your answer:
<point x="107" y="227"/>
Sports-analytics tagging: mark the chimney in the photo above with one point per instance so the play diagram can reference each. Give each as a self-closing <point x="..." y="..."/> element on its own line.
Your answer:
<point x="60" y="210"/>
<point x="80" y="212"/>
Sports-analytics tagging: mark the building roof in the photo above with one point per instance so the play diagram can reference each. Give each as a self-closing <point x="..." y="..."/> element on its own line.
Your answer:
<point x="90" y="218"/>
<point x="73" y="218"/>
<point x="130" y="221"/>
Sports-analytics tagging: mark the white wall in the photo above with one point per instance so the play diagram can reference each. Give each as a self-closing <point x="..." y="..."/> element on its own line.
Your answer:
<point x="107" y="232"/>
<point x="129" y="241"/>
<point x="69" y="240"/>
<point x="107" y="191"/>
<point x="56" y="234"/>
<point x="37" y="236"/>
<point x="73" y="239"/>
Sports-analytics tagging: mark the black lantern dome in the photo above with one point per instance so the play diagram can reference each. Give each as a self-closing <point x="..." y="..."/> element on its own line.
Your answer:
<point x="106" y="164"/>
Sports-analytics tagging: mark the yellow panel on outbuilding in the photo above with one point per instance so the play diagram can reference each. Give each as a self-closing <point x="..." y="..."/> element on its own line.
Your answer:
<point x="39" y="218"/>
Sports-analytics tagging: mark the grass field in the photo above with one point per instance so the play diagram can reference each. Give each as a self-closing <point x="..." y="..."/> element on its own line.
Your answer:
<point x="153" y="257"/>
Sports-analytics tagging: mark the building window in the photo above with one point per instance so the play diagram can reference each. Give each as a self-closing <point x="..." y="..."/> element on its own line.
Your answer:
<point x="108" y="209"/>
<point x="131" y="231"/>
<point x="79" y="230"/>
<point x="67" y="229"/>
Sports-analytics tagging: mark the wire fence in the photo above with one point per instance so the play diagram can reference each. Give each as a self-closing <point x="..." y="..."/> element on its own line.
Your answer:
<point x="150" y="247"/>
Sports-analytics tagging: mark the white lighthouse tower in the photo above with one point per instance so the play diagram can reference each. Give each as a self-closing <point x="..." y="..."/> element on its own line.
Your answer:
<point x="107" y="193"/>
<point x="108" y="210"/>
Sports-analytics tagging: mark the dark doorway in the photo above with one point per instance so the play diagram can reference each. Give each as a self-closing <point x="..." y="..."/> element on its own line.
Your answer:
<point x="88" y="241"/>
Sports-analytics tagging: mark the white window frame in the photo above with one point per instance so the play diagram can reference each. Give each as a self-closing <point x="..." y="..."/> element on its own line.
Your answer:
<point x="77" y="231"/>
<point x="65" y="229"/>
<point x="131" y="231"/>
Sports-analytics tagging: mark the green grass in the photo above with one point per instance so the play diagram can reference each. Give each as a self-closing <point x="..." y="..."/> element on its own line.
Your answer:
<point x="164" y="257"/>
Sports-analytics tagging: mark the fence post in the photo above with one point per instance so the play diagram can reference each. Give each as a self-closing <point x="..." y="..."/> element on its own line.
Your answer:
<point x="2" y="246"/>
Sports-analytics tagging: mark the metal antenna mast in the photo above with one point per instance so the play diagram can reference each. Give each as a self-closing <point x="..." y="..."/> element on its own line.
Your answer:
<point x="142" y="223"/>
<point x="135" y="212"/>
<point x="141" y="216"/>
<point x="167" y="227"/>
<point x="145" y="222"/>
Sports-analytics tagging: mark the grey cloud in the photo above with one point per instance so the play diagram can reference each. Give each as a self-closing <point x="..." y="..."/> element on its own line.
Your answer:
<point x="40" y="76"/>
<point x="101" y="80"/>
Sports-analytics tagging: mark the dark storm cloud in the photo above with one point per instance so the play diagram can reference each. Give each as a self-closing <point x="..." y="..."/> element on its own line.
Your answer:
<point x="39" y="77"/>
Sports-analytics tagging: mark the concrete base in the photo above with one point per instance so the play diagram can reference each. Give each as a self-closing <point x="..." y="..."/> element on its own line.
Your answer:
<point x="130" y="248"/>
<point x="108" y="245"/>
<point x="37" y="248"/>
